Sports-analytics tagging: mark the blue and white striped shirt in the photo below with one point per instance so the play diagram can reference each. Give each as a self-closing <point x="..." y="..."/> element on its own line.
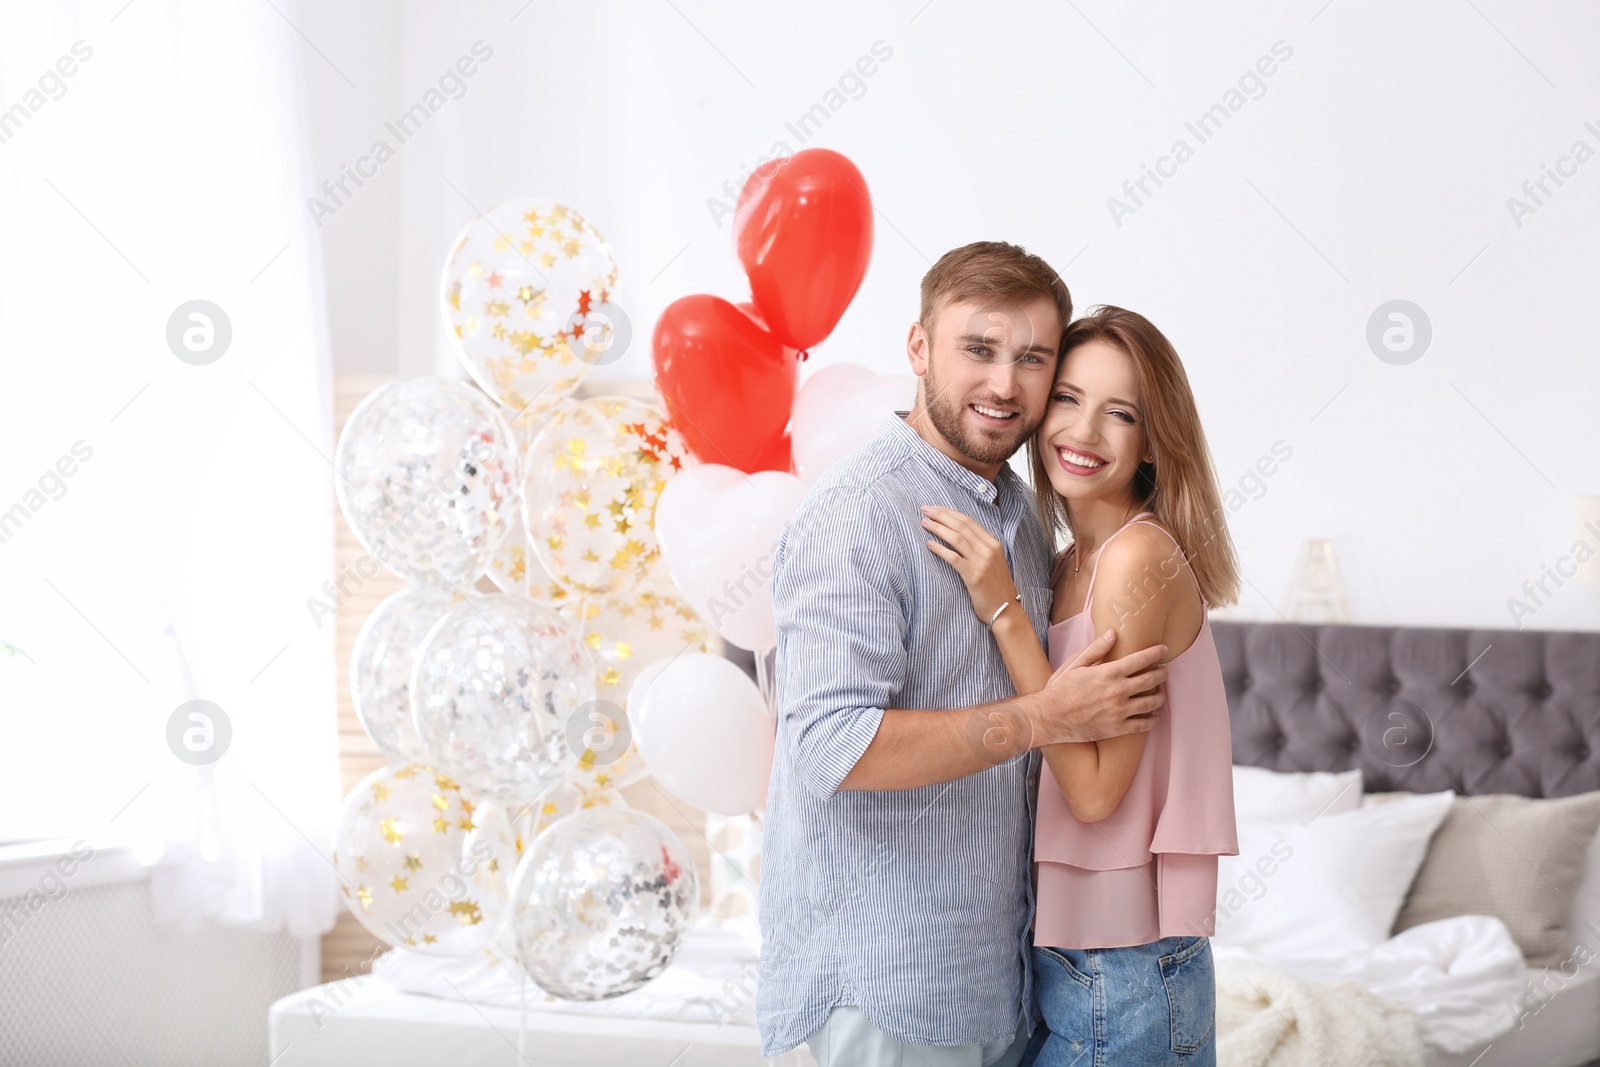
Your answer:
<point x="911" y="904"/>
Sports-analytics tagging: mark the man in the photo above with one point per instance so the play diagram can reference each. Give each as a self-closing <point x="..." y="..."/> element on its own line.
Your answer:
<point x="895" y="888"/>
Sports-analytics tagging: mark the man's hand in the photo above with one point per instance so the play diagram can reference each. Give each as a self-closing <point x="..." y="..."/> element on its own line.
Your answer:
<point x="1086" y="700"/>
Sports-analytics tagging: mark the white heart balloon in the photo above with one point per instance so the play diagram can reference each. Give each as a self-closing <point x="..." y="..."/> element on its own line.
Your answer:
<point x="705" y="732"/>
<point x="719" y="529"/>
<point x="840" y="408"/>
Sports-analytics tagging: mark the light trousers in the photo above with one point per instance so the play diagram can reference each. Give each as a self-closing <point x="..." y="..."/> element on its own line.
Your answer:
<point x="847" y="1038"/>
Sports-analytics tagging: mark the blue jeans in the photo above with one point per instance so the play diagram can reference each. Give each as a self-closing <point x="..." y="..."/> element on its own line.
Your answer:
<point x="1138" y="1006"/>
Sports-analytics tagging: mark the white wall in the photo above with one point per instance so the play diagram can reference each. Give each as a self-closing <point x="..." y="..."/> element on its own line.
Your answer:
<point x="350" y="64"/>
<point x="1376" y="164"/>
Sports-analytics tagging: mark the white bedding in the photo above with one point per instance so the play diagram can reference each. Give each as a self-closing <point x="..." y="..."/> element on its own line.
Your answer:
<point x="1269" y="1018"/>
<point x="418" y="1010"/>
<point x="1466" y="986"/>
<point x="378" y="1024"/>
<point x="712" y="980"/>
<point x="1557" y="1025"/>
<point x="1477" y="1005"/>
<point x="1461" y="976"/>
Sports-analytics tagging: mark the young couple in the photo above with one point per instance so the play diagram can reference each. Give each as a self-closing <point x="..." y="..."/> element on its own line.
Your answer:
<point x="1003" y="774"/>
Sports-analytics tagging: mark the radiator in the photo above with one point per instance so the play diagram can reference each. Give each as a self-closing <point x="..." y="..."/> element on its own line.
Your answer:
<point x="87" y="979"/>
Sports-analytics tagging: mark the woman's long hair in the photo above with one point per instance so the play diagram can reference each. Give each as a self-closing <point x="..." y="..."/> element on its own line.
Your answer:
<point x="1180" y="485"/>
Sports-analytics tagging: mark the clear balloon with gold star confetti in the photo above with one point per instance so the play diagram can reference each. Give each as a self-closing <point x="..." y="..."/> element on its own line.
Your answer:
<point x="565" y="798"/>
<point x="503" y="834"/>
<point x="423" y="864"/>
<point x="511" y="830"/>
<point x="593" y="477"/>
<point x="514" y="568"/>
<point x="607" y="758"/>
<point x="526" y="426"/>
<point x="518" y="289"/>
<point x="625" y="633"/>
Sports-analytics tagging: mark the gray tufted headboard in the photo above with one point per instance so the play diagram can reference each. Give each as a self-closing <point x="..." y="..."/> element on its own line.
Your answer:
<point x="1477" y="711"/>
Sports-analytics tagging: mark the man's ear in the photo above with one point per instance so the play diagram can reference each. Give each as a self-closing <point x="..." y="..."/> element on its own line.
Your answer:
<point x="917" y="349"/>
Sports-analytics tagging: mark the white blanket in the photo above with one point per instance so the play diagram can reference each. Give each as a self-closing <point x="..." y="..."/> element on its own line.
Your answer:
<point x="1269" y="1018"/>
<point x="1453" y="984"/>
<point x="712" y="980"/>
<point x="1463" y="977"/>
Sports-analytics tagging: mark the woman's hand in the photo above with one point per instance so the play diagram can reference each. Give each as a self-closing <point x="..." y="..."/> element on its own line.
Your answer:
<point x="976" y="555"/>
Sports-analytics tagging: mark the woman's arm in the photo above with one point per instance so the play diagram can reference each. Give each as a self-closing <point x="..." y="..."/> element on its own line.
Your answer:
<point x="1026" y="660"/>
<point x="1093" y="775"/>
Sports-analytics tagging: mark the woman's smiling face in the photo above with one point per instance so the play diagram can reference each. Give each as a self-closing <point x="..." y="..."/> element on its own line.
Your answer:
<point x="1093" y="435"/>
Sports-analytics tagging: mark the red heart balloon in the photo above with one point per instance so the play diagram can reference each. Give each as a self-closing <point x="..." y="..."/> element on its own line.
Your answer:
<point x="755" y="313"/>
<point x="728" y="384"/>
<point x="803" y="231"/>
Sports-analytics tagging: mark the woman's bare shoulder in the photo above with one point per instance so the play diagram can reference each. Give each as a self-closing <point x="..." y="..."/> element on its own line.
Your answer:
<point x="1144" y="564"/>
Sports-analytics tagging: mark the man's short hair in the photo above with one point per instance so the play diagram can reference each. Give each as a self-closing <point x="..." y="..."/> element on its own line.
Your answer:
<point x="992" y="271"/>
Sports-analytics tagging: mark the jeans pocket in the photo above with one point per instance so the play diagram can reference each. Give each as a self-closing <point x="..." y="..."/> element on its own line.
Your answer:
<point x="1065" y="964"/>
<point x="1070" y="1003"/>
<point x="1191" y="981"/>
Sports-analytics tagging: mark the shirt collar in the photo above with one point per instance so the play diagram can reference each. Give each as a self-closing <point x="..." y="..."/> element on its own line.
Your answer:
<point x="989" y="492"/>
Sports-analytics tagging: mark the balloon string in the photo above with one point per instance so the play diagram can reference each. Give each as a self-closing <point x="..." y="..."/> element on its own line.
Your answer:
<point x="765" y="681"/>
<point x="522" y="1027"/>
<point x="772" y="680"/>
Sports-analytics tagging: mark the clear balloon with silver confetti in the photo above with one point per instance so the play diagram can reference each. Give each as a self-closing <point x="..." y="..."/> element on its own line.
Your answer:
<point x="602" y="902"/>
<point x="495" y="684"/>
<point x="381" y="662"/>
<point x="426" y="475"/>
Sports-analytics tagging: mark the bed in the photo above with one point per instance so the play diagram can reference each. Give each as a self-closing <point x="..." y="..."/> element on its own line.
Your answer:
<point x="1420" y="710"/>
<point x="415" y="1009"/>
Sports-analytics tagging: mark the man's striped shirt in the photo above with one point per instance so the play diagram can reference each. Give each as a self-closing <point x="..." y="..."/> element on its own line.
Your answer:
<point x="913" y="904"/>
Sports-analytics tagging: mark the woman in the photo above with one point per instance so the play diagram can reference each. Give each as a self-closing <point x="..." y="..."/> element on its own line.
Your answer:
<point x="1129" y="828"/>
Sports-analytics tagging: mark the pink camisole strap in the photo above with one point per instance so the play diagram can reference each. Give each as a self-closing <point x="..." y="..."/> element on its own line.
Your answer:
<point x="1095" y="569"/>
<point x="1061" y="561"/>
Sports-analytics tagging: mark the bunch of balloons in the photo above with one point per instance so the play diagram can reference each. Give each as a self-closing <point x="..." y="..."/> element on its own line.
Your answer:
<point x="503" y="715"/>
<point x="802" y="229"/>
<point x="728" y="374"/>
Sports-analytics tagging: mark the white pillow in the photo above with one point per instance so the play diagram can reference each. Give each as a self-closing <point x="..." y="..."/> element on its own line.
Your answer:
<point x="1583" y="925"/>
<point x="1292" y="796"/>
<point x="1325" y="888"/>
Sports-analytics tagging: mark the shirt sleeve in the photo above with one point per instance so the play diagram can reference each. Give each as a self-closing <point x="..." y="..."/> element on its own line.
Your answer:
<point x="840" y="613"/>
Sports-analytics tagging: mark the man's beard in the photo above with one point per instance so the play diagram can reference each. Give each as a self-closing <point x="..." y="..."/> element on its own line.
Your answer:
<point x="948" y="416"/>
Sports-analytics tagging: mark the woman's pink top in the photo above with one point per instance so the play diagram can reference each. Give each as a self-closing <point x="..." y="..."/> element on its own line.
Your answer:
<point x="1148" y="870"/>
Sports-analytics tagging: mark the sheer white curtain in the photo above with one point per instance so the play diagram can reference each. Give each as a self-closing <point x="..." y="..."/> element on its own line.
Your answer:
<point x="162" y="523"/>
